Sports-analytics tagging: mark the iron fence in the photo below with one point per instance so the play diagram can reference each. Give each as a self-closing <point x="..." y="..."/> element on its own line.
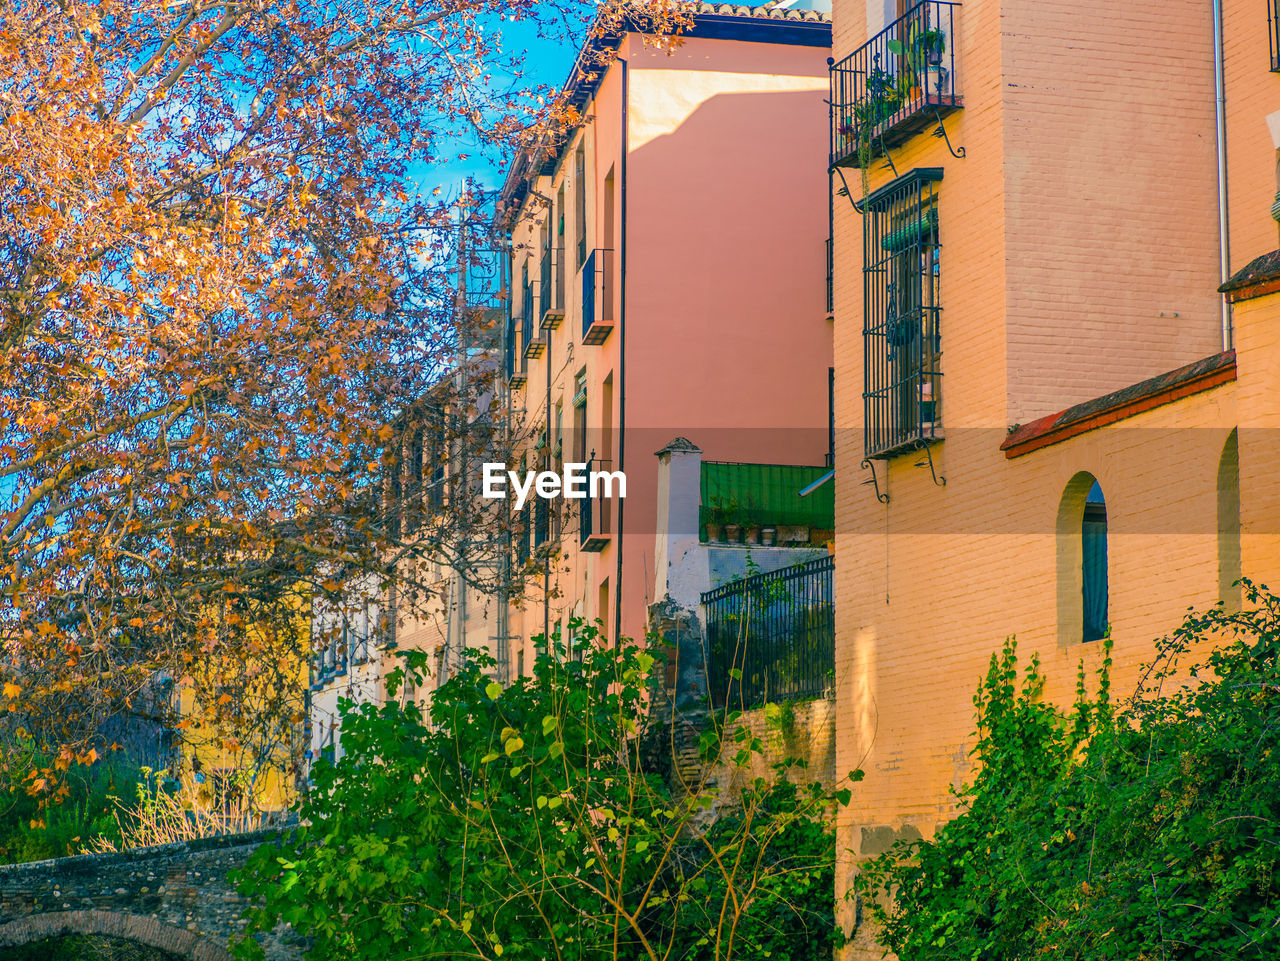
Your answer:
<point x="771" y="637"/>
<point x="905" y="68"/>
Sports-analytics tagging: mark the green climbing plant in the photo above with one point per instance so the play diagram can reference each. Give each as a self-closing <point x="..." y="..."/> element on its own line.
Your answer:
<point x="538" y="820"/>
<point x="1135" y="831"/>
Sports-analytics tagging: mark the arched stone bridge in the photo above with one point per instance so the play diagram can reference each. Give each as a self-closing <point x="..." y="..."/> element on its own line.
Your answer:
<point x="174" y="898"/>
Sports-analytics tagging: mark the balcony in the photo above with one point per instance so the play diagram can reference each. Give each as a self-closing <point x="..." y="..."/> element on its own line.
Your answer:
<point x="771" y="637"/>
<point x="900" y="82"/>
<point x="595" y="529"/>
<point x="551" y="289"/>
<point x="533" y="346"/>
<point x="597" y="297"/>
<point x="761" y="504"/>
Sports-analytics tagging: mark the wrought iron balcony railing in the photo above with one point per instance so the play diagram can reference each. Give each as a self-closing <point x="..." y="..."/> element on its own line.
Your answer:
<point x="900" y="82"/>
<point x="595" y="517"/>
<point x="771" y="637"/>
<point x="533" y="345"/>
<point x="551" y="289"/>
<point x="597" y="297"/>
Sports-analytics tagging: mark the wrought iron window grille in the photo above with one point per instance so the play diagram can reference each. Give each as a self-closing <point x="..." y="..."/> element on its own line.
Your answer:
<point x="902" y="337"/>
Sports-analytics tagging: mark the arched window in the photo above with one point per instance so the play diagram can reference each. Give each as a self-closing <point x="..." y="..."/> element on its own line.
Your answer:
<point x="1229" y="524"/>
<point x="1093" y="549"/>
<point x="1083" y="588"/>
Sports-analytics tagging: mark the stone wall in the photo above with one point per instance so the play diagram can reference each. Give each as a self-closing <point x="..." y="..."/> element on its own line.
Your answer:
<point x="174" y="897"/>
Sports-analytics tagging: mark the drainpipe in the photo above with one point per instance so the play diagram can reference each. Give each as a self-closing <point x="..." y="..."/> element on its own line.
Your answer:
<point x="546" y="568"/>
<point x="622" y="347"/>
<point x="1221" y="116"/>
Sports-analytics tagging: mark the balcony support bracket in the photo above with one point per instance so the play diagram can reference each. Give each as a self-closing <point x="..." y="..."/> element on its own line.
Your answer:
<point x="957" y="152"/>
<point x="845" y="192"/>
<point x="868" y="463"/>
<point x="924" y="446"/>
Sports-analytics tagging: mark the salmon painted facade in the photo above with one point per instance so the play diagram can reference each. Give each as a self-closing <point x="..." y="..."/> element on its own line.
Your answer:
<point x="1050" y="424"/>
<point x="666" y="279"/>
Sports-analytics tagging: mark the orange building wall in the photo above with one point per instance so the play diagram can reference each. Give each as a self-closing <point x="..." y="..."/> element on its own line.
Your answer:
<point x="1253" y="92"/>
<point x="1084" y="208"/>
<point x="1110" y="203"/>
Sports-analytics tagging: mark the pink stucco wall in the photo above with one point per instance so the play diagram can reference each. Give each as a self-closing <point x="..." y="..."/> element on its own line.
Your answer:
<point x="727" y="338"/>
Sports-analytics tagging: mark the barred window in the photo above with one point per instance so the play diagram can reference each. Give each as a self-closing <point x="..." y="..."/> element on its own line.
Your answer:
<point x="902" y="337"/>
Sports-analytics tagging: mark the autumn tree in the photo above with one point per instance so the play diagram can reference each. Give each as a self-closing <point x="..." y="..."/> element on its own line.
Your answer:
<point x="222" y="292"/>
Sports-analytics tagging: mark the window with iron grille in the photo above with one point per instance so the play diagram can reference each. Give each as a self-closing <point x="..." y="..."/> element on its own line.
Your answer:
<point x="902" y="337"/>
<point x="1273" y="34"/>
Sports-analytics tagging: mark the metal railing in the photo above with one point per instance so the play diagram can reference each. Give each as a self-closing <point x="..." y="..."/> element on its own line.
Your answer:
<point x="771" y="636"/>
<point x="551" y="284"/>
<point x="831" y="273"/>
<point x="595" y="513"/>
<point x="905" y="68"/>
<point x="526" y="318"/>
<point x="597" y="296"/>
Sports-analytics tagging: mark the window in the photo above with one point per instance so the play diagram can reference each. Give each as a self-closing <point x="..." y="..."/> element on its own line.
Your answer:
<point x="1083" y="579"/>
<point x="1229" y="524"/>
<point x="580" y="202"/>
<point x="526" y="315"/>
<point x="1273" y="34"/>
<point x="901" y="335"/>
<point x="413" y="502"/>
<point x="580" y="418"/>
<point x="1093" y="549"/>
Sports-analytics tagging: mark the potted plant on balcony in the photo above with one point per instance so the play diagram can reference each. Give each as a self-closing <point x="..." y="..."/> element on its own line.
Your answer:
<point x="768" y="535"/>
<point x="717" y="514"/>
<point x="732" y="526"/>
<point x="937" y="79"/>
<point x="751" y="527"/>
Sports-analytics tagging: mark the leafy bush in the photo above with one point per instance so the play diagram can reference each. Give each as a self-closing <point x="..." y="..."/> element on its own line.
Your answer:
<point x="32" y="831"/>
<point x="1145" y="831"/>
<point x="528" y="821"/>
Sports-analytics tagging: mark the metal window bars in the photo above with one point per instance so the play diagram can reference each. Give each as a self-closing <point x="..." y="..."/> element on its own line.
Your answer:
<point x="1273" y="34"/>
<point x="902" y="337"/>
<point x="771" y="636"/>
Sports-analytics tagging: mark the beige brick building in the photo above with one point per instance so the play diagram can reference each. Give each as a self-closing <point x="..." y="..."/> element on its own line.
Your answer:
<point x="1048" y="422"/>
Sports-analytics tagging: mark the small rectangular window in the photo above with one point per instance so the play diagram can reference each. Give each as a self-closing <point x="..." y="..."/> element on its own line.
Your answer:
<point x="580" y="202"/>
<point x="902" y="337"/>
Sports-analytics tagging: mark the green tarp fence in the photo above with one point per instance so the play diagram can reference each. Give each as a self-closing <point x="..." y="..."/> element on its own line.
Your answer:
<point x="765" y="494"/>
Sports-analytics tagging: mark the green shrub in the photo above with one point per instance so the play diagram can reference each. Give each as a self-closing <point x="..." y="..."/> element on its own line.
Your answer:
<point x="31" y="831"/>
<point x="1144" y="831"/>
<point x="527" y="822"/>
